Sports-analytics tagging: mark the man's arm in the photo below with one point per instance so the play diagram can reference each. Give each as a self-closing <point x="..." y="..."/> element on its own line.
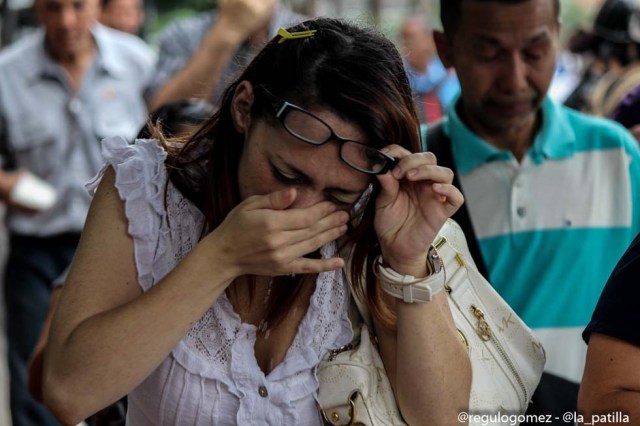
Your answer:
<point x="237" y="21"/>
<point x="611" y="380"/>
<point x="22" y="200"/>
<point x="8" y="180"/>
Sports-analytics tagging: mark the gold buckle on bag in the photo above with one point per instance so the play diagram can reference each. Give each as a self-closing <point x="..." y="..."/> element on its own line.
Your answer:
<point x="352" y="412"/>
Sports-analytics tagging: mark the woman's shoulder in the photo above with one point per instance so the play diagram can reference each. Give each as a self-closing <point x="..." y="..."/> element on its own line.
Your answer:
<point x="140" y="171"/>
<point x="152" y="206"/>
<point x="139" y="163"/>
<point x="118" y="148"/>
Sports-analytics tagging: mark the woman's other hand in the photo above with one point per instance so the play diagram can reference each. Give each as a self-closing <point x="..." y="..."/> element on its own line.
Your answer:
<point x="416" y="199"/>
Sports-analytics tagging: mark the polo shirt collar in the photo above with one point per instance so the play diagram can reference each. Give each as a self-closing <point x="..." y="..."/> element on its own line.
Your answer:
<point x="43" y="64"/>
<point x="555" y="140"/>
<point x="282" y="18"/>
<point x="107" y="58"/>
<point x="469" y="150"/>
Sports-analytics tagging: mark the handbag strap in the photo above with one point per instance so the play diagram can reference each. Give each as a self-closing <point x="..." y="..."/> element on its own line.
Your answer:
<point x="363" y="310"/>
<point x="361" y="305"/>
<point x="437" y="142"/>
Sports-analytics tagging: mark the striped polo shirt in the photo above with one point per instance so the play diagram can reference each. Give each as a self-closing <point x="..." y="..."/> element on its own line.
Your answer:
<point x="552" y="227"/>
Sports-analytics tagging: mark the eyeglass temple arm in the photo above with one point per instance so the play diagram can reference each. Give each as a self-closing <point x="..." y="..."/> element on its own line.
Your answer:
<point x="389" y="165"/>
<point x="278" y="104"/>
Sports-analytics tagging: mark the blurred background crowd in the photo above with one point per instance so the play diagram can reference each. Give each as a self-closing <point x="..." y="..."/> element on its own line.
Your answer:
<point x="597" y="70"/>
<point x="590" y="47"/>
<point x="17" y="16"/>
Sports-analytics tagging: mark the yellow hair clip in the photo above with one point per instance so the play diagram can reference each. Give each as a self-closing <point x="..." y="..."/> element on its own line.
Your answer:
<point x="286" y="35"/>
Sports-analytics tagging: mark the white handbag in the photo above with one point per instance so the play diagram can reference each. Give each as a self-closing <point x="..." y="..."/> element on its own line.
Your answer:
<point x="507" y="360"/>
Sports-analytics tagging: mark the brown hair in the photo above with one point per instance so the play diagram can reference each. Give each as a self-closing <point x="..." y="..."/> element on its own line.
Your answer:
<point x="353" y="71"/>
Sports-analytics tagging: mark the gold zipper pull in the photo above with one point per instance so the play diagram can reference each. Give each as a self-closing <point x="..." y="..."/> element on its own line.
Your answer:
<point x="483" y="328"/>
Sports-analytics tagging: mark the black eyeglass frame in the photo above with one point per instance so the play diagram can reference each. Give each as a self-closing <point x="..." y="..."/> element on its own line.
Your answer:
<point x="282" y="108"/>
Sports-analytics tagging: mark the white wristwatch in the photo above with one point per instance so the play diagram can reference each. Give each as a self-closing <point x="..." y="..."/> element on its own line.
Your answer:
<point x="409" y="288"/>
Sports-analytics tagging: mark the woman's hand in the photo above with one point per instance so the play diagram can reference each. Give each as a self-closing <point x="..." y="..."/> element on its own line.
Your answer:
<point x="261" y="237"/>
<point x="416" y="199"/>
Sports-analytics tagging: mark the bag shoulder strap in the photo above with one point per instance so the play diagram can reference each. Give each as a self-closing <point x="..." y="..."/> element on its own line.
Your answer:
<point x="437" y="142"/>
<point x="361" y="313"/>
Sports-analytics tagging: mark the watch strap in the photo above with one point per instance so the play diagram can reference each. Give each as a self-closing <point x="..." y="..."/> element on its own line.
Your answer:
<point x="409" y="288"/>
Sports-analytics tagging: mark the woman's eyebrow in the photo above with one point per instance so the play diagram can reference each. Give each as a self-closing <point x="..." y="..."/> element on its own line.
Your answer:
<point x="343" y="191"/>
<point x="308" y="180"/>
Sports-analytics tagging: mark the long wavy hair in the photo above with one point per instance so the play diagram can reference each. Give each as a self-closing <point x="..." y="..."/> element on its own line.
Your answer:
<point x="353" y="71"/>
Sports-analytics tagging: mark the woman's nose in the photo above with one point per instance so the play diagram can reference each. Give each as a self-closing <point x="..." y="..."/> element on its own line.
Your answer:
<point x="307" y="197"/>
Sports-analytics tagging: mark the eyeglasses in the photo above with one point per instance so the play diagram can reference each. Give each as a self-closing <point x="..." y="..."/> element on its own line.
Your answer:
<point x="307" y="127"/>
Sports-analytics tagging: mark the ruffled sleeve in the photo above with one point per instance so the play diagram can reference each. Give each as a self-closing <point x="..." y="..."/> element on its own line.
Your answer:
<point x="140" y="178"/>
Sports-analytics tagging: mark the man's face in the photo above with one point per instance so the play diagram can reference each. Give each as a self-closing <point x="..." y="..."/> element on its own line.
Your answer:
<point x="123" y="15"/>
<point x="67" y="24"/>
<point x="504" y="56"/>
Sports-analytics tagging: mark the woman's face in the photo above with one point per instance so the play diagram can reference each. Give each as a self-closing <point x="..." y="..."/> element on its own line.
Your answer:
<point x="273" y="159"/>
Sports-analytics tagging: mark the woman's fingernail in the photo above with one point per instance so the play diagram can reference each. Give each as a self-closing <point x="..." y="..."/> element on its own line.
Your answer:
<point x="396" y="172"/>
<point x="412" y="172"/>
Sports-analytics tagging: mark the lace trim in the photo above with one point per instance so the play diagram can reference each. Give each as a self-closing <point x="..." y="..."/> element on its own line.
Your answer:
<point x="207" y="349"/>
<point x="140" y="179"/>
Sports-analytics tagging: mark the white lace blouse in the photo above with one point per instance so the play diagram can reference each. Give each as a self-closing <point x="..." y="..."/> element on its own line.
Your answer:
<point x="212" y="377"/>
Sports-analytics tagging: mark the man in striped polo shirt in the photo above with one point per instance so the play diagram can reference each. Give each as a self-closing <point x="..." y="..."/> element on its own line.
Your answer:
<point x="553" y="195"/>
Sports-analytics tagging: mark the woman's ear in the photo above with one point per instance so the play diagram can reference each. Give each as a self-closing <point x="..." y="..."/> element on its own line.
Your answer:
<point x="241" y="106"/>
